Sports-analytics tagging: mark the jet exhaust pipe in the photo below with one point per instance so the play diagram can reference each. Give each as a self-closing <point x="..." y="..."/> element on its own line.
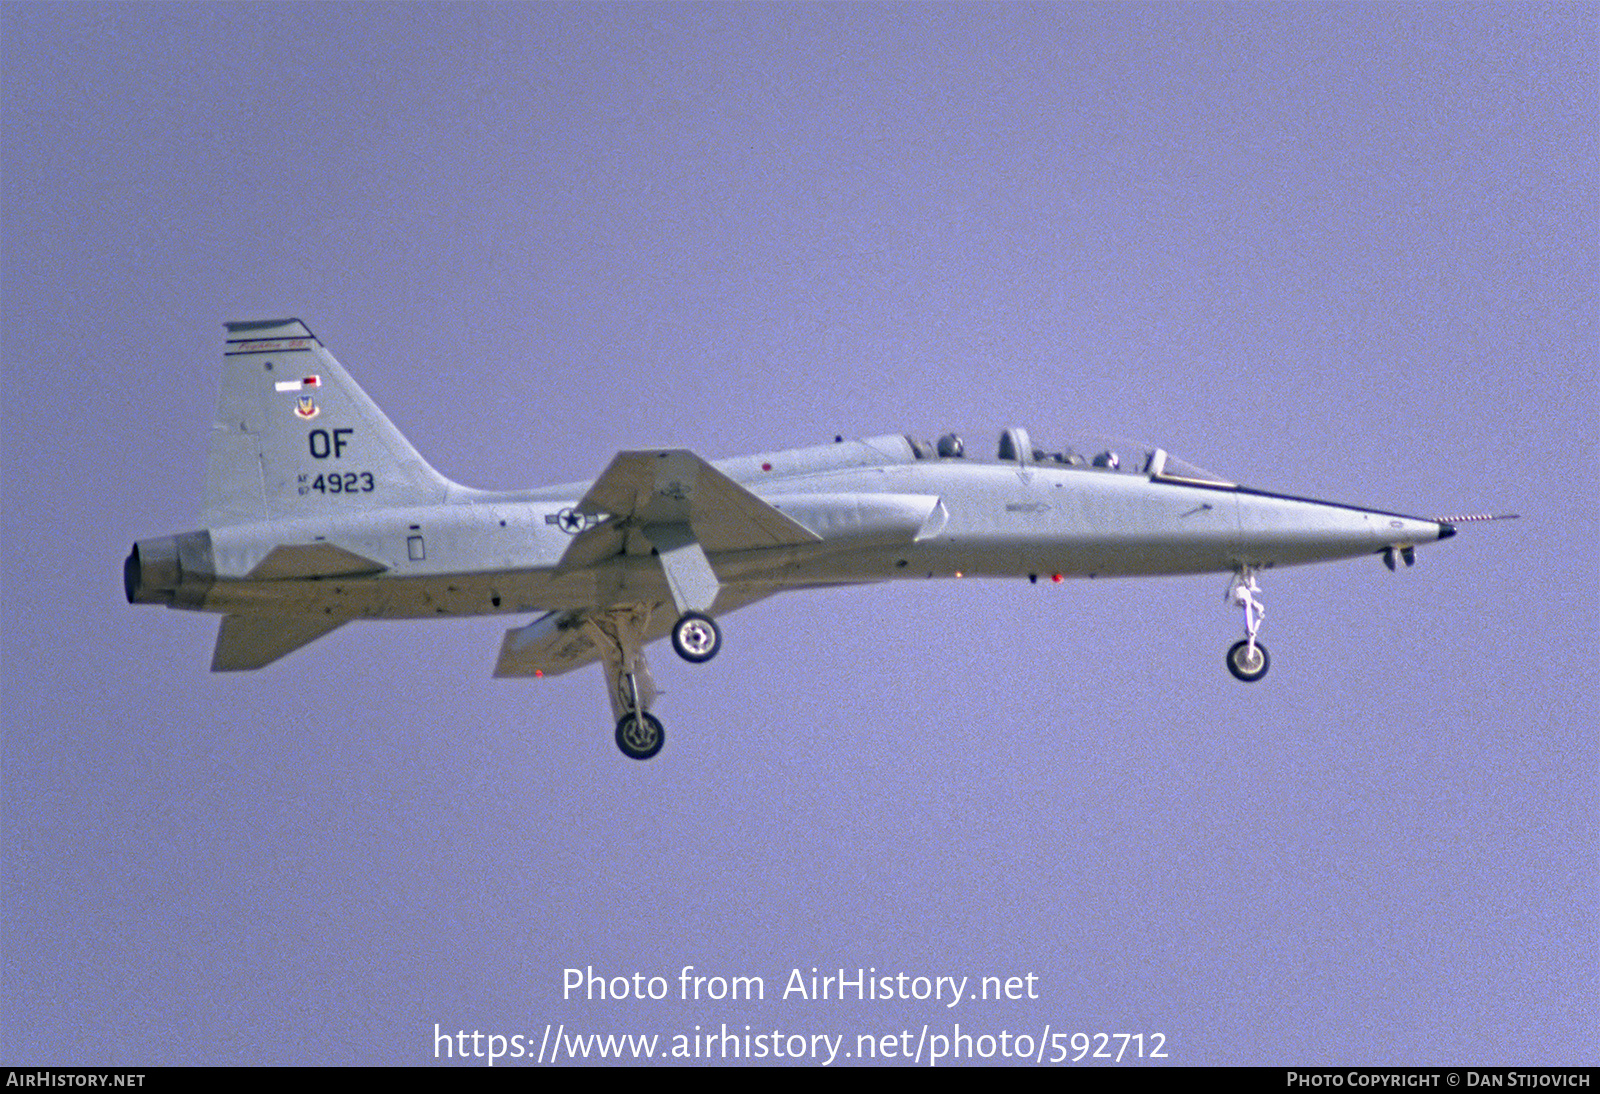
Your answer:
<point x="176" y="571"/>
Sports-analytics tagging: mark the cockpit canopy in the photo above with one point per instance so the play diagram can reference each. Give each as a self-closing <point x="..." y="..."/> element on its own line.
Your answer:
<point x="1089" y="454"/>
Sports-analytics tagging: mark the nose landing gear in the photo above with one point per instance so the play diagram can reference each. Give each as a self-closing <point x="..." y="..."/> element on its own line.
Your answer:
<point x="1248" y="659"/>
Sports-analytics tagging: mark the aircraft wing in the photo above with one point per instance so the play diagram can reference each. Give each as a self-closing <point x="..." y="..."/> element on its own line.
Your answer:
<point x="559" y="642"/>
<point x="676" y="487"/>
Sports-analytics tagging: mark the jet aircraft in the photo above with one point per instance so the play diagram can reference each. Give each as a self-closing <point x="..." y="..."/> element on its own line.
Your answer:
<point x="318" y="512"/>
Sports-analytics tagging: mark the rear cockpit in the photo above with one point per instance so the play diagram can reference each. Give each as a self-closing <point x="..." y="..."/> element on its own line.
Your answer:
<point x="1087" y="454"/>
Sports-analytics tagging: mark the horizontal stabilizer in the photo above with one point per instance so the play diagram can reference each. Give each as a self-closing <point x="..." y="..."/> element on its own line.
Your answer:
<point x="251" y="641"/>
<point x="313" y="560"/>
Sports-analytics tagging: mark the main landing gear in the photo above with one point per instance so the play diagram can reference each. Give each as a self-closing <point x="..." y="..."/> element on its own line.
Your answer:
<point x="639" y="733"/>
<point x="1248" y="659"/>
<point x="696" y="637"/>
<point x="620" y="635"/>
<point x="640" y="736"/>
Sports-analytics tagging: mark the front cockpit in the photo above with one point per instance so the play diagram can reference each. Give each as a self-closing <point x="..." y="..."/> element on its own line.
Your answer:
<point x="1088" y="454"/>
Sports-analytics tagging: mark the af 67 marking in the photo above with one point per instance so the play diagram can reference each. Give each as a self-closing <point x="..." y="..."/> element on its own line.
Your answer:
<point x="324" y="444"/>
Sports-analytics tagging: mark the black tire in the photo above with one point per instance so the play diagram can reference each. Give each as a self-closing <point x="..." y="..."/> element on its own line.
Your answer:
<point x="696" y="637"/>
<point x="640" y="736"/>
<point x="1239" y="661"/>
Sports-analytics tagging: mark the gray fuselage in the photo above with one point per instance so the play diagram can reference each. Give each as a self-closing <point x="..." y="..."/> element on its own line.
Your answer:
<point x="879" y="511"/>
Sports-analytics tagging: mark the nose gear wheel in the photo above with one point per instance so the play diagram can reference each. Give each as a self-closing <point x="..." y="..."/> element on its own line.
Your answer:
<point x="1248" y="659"/>
<point x="1248" y="662"/>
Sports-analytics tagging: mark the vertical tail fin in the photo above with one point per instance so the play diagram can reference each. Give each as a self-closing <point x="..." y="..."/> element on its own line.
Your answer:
<point x="295" y="436"/>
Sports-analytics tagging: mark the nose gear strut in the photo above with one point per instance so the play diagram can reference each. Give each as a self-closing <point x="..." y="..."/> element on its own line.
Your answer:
<point x="1248" y="659"/>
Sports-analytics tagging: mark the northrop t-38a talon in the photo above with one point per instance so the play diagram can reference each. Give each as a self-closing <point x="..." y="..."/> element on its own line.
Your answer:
<point x="318" y="512"/>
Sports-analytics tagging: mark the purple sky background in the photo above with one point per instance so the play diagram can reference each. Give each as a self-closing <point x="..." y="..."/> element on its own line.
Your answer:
<point x="1347" y="252"/>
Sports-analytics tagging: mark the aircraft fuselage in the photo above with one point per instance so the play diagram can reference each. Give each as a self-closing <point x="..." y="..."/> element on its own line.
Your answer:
<point x="489" y="553"/>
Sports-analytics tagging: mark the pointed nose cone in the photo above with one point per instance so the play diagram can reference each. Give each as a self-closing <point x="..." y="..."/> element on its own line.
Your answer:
<point x="1403" y="531"/>
<point x="1279" y="530"/>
